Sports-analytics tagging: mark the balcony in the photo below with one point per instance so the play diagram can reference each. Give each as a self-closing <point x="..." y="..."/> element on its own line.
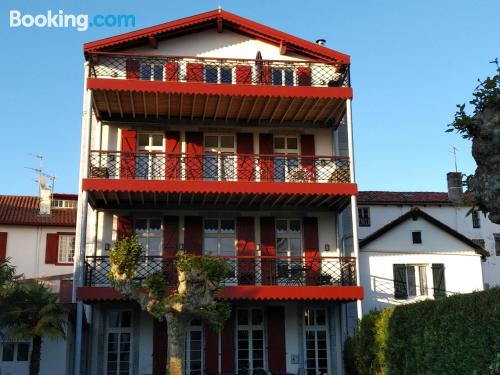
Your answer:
<point x="250" y="277"/>
<point x="214" y="90"/>
<point x="153" y="180"/>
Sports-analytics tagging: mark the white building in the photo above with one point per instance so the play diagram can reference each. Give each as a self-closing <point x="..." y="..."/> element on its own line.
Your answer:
<point x="41" y="247"/>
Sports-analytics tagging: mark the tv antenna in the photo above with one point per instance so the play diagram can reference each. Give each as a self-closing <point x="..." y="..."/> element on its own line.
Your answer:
<point x="44" y="189"/>
<point x="454" y="152"/>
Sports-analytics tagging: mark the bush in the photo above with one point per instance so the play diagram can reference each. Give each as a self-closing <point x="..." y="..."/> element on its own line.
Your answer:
<point x="456" y="335"/>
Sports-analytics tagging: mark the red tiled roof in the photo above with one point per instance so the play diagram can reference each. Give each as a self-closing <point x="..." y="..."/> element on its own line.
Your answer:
<point x="23" y="210"/>
<point x="402" y="197"/>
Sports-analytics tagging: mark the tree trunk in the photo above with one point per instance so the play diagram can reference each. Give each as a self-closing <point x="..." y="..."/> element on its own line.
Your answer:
<point x="35" y="355"/>
<point x="176" y="328"/>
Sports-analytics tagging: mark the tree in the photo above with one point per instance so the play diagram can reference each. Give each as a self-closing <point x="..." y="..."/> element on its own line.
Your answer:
<point x="8" y="277"/>
<point x="482" y="127"/>
<point x="198" y="279"/>
<point x="30" y="310"/>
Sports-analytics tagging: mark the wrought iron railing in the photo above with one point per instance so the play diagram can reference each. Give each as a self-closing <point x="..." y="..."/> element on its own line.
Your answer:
<point x="245" y="270"/>
<point x="218" y="70"/>
<point x="219" y="167"/>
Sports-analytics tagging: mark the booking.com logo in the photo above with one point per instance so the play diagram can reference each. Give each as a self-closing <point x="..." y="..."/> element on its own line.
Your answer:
<point x="59" y="19"/>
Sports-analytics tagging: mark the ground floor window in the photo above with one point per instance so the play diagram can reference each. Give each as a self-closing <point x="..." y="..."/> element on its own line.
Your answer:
<point x="194" y="353"/>
<point x="410" y="280"/>
<point x="250" y="339"/>
<point x="118" y="343"/>
<point x="316" y="341"/>
<point x="15" y="351"/>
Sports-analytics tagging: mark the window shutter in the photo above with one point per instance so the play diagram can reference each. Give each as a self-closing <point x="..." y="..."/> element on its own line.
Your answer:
<point x="51" y="248"/>
<point x="132" y="69"/>
<point x="304" y="76"/>
<point x="243" y="74"/>
<point x="311" y="250"/>
<point x="266" y="150"/>
<point x="276" y="339"/>
<point x="265" y="75"/>
<point x="244" y="149"/>
<point x="160" y="347"/>
<point x="400" y="288"/>
<point x="170" y="247"/>
<point x="128" y="148"/>
<point x="193" y="235"/>
<point x="438" y="280"/>
<point x="211" y="346"/>
<point x="227" y="346"/>
<point x="307" y="148"/>
<point x="245" y="230"/>
<point x="194" y="72"/>
<point x="125" y="227"/>
<point x="3" y="246"/>
<point x="172" y="71"/>
<point x="172" y="160"/>
<point x="194" y="150"/>
<point x="268" y="248"/>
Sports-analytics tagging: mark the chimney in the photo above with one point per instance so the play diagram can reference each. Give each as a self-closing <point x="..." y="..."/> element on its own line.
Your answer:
<point x="455" y="187"/>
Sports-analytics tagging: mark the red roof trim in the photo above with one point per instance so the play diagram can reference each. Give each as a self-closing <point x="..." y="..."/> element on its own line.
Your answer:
<point x="226" y="187"/>
<point x="232" y="21"/>
<point x="215" y="89"/>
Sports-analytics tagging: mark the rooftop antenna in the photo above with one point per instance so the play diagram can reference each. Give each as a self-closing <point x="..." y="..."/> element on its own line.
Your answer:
<point x="44" y="189"/>
<point x="454" y="152"/>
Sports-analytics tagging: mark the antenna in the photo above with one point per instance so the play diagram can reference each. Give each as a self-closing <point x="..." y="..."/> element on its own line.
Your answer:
<point x="454" y="152"/>
<point x="44" y="189"/>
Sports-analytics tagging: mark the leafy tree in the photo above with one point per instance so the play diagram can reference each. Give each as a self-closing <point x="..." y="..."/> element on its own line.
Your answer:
<point x="8" y="277"/>
<point x="198" y="279"/>
<point x="31" y="311"/>
<point x="482" y="127"/>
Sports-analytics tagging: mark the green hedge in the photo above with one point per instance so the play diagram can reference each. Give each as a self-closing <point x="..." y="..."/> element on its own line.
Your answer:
<point x="455" y="335"/>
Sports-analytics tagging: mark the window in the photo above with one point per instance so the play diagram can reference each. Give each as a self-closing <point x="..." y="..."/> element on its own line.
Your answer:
<point x="289" y="244"/>
<point x="286" y="168"/>
<point x="416" y="237"/>
<point x="194" y="352"/>
<point x="66" y="248"/>
<point x="150" y="161"/>
<point x="214" y="74"/>
<point x="59" y="203"/>
<point x="282" y="77"/>
<point x="119" y="339"/>
<point x="497" y="244"/>
<point x="149" y="235"/>
<point x="15" y="351"/>
<point x="219" y="162"/>
<point x="409" y="280"/>
<point x="250" y="339"/>
<point x="219" y="237"/>
<point x="316" y="341"/>
<point x="151" y="72"/>
<point x="364" y="216"/>
<point x="476" y="223"/>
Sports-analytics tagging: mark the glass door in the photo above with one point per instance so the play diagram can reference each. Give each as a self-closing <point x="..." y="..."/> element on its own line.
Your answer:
<point x="219" y="162"/>
<point x="149" y="235"/>
<point x="286" y="167"/>
<point x="290" y="271"/>
<point x="150" y="160"/>
<point x="250" y="340"/>
<point x="316" y="342"/>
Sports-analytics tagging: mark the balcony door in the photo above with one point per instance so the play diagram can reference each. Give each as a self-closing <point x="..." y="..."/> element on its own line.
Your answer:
<point x="219" y="161"/>
<point x="316" y="342"/>
<point x="290" y="270"/>
<point x="219" y="239"/>
<point x="286" y="167"/>
<point x="150" y="160"/>
<point x="149" y="234"/>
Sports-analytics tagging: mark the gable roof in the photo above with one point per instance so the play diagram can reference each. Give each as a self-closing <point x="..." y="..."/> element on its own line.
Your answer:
<point x="408" y="198"/>
<point x="23" y="210"/>
<point x="213" y="19"/>
<point x="417" y="213"/>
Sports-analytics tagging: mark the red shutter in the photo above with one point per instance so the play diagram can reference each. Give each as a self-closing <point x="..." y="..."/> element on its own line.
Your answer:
<point x="211" y="349"/>
<point x="193" y="235"/>
<point x="172" y="71"/>
<point x="268" y="248"/>
<point x="125" y="227"/>
<point x="276" y="339"/>
<point x="243" y="74"/>
<point x="265" y="75"/>
<point x="266" y="150"/>
<point x="170" y="246"/>
<point x="132" y="68"/>
<point x="3" y="245"/>
<point x="128" y="148"/>
<point x="304" y="76"/>
<point x="307" y="148"/>
<point x="51" y="248"/>
<point x="245" y="230"/>
<point x="311" y="250"/>
<point x="244" y="149"/>
<point x="194" y="151"/>
<point x="160" y="347"/>
<point x="194" y="72"/>
<point x="173" y="160"/>
<point x="227" y="346"/>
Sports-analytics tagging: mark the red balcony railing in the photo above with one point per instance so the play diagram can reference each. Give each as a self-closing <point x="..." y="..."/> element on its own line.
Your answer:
<point x="218" y="70"/>
<point x="245" y="270"/>
<point x="219" y="167"/>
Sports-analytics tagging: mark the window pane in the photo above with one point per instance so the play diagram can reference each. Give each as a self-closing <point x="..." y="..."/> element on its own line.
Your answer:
<point x="210" y="245"/>
<point x="141" y="226"/>
<point x="282" y="246"/>
<point x="295" y="226"/>
<point x="227" y="247"/>
<point x="242" y="320"/>
<point x="289" y="77"/>
<point x="8" y="352"/>
<point x="227" y="226"/>
<point x="281" y="226"/>
<point x="423" y="280"/>
<point x="113" y="320"/>
<point x="23" y="349"/>
<point x="158" y="72"/>
<point x="257" y="319"/>
<point x="126" y="319"/>
<point x="210" y="74"/>
<point x="211" y="226"/>
<point x="277" y="79"/>
<point x="143" y="140"/>
<point x="146" y="72"/>
<point x="211" y="141"/>
<point x="320" y="317"/>
<point x="279" y="142"/>
<point x="295" y="247"/>
<point x="227" y="141"/>
<point x="412" y="287"/>
<point x="291" y="143"/>
<point x="157" y="140"/>
<point x="225" y="75"/>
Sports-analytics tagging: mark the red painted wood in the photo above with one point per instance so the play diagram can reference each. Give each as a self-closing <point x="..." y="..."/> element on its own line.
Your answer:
<point x="307" y="148"/>
<point x="194" y="72"/>
<point x="243" y="74"/>
<point x="245" y="230"/>
<point x="160" y="347"/>
<point x="3" y="245"/>
<point x="265" y="75"/>
<point x="51" y="248"/>
<point x="172" y="159"/>
<point x="128" y="147"/>
<point x="268" y="248"/>
<point x="194" y="146"/>
<point x="304" y="76"/>
<point x="311" y="250"/>
<point x="276" y="339"/>
<point x="244" y="149"/>
<point x="211" y="348"/>
<point x="125" y="227"/>
<point x="227" y="347"/>
<point x="193" y="235"/>
<point x="132" y="69"/>
<point x="266" y="147"/>
<point x="172" y="71"/>
<point x="170" y="245"/>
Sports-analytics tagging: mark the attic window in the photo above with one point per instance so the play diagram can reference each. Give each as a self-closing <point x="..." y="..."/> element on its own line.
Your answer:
<point x="416" y="237"/>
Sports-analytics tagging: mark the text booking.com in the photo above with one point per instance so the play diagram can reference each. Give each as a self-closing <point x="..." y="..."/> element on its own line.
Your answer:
<point x="58" y="19"/>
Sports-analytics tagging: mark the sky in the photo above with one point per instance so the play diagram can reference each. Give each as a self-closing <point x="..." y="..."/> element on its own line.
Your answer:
<point x="412" y="61"/>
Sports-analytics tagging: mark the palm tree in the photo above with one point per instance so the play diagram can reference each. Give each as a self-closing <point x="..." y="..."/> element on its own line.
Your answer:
<point x="30" y="310"/>
<point x="8" y="277"/>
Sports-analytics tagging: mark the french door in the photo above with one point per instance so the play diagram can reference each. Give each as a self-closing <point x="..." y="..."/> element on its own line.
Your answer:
<point x="194" y="352"/>
<point x="286" y="167"/>
<point x="250" y="339"/>
<point x="219" y="161"/>
<point x="149" y="234"/>
<point x="118" y="343"/>
<point x="150" y="160"/>
<point x="316" y="342"/>
<point x="290" y="271"/>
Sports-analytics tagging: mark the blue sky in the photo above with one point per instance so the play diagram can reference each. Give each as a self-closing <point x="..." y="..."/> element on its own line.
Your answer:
<point x="412" y="62"/>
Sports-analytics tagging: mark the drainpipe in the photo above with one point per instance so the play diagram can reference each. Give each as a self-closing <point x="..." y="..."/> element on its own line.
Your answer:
<point x="82" y="214"/>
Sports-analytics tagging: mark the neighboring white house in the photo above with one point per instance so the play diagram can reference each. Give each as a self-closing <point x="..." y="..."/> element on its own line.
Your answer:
<point x="416" y="257"/>
<point x="41" y="247"/>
